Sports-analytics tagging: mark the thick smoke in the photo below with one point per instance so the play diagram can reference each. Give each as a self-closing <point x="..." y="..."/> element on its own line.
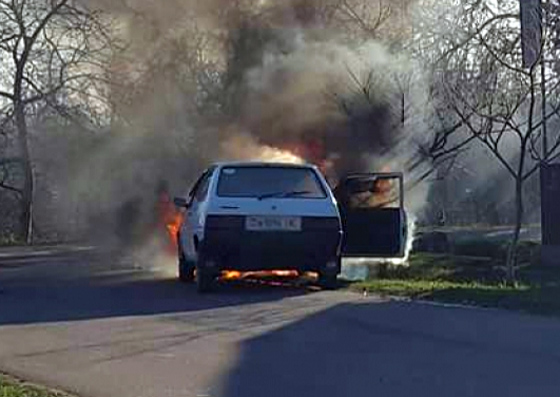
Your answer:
<point x="319" y="92"/>
<point x="254" y="80"/>
<point x="338" y="98"/>
<point x="354" y="105"/>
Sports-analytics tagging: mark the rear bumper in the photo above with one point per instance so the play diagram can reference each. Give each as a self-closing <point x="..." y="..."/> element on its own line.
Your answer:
<point x="231" y="247"/>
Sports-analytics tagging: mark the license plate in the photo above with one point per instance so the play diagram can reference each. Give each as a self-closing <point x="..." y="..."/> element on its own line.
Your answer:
<point x="273" y="223"/>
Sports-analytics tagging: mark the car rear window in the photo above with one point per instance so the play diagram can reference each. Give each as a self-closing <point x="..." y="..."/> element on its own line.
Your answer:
<point x="275" y="181"/>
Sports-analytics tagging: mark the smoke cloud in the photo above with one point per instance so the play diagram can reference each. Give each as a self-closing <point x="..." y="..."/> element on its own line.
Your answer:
<point x="288" y="81"/>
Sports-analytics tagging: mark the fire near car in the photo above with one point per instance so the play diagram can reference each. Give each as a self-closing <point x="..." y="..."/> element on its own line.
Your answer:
<point x="264" y="216"/>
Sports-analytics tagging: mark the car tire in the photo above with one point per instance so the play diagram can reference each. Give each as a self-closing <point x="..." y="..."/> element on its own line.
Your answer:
<point x="205" y="280"/>
<point x="186" y="271"/>
<point x="328" y="281"/>
<point x="186" y="268"/>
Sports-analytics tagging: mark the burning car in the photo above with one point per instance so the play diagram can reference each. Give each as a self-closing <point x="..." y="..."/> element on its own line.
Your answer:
<point x="259" y="216"/>
<point x="248" y="217"/>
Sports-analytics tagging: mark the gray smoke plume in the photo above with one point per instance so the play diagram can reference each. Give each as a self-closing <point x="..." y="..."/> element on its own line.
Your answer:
<point x="254" y="79"/>
<point x="355" y="105"/>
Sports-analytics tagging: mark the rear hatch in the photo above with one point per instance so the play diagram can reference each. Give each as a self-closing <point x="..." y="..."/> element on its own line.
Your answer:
<point x="283" y="211"/>
<point x="273" y="190"/>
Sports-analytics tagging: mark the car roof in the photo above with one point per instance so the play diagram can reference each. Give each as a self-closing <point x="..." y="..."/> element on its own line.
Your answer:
<point x="262" y="164"/>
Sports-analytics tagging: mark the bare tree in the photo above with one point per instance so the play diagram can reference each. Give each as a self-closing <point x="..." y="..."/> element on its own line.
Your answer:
<point x="52" y="56"/>
<point x="495" y="100"/>
<point x="368" y="18"/>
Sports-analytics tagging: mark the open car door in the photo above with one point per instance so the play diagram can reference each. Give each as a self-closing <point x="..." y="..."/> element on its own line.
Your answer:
<point x="373" y="215"/>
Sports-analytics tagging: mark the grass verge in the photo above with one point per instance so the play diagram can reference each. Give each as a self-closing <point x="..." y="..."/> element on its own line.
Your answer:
<point x="443" y="278"/>
<point x="10" y="387"/>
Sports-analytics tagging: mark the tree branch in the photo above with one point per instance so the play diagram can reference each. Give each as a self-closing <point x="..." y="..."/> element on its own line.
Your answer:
<point x="11" y="188"/>
<point x="7" y="95"/>
<point x="476" y="33"/>
<point x="480" y="136"/>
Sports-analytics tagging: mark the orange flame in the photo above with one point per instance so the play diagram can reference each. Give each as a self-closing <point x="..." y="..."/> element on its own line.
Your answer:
<point x="173" y="227"/>
<point x="170" y="220"/>
<point x="231" y="275"/>
<point x="385" y="189"/>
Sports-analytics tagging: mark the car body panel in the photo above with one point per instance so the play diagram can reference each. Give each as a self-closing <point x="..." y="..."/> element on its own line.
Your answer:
<point x="258" y="250"/>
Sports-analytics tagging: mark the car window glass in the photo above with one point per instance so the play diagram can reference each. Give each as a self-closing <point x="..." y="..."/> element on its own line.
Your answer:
<point x="247" y="181"/>
<point x="202" y="189"/>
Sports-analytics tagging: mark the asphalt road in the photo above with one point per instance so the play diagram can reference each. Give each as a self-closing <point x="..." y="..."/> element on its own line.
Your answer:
<point x="92" y="325"/>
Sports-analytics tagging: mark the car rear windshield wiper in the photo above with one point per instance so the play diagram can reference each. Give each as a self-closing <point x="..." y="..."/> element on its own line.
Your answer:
<point x="293" y="193"/>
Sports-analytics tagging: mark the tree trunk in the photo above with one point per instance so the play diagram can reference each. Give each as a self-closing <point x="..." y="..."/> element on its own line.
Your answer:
<point x="26" y="220"/>
<point x="512" y="252"/>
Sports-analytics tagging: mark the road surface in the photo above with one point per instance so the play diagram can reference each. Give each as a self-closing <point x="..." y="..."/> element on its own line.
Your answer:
<point x="98" y="327"/>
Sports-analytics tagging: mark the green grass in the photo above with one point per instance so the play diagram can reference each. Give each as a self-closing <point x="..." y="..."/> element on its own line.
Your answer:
<point x="10" y="387"/>
<point x="9" y="240"/>
<point x="465" y="280"/>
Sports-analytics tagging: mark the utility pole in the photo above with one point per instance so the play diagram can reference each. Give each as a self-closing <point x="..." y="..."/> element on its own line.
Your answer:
<point x="550" y="173"/>
<point x="403" y="94"/>
<point x="534" y="18"/>
<point x="544" y="22"/>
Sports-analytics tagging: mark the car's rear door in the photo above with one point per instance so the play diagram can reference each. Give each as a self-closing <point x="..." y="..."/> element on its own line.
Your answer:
<point x="373" y="215"/>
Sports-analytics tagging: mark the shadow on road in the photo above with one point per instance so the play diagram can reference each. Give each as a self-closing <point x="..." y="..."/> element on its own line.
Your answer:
<point x="68" y="289"/>
<point x="396" y="349"/>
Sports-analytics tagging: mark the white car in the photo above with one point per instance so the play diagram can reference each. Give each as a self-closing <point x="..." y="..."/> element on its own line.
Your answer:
<point x="259" y="216"/>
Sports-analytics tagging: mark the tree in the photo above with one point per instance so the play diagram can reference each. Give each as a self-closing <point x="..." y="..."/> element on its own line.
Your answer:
<point x="495" y="100"/>
<point x="52" y="56"/>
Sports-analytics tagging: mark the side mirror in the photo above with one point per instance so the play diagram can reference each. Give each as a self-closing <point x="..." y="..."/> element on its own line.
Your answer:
<point x="181" y="202"/>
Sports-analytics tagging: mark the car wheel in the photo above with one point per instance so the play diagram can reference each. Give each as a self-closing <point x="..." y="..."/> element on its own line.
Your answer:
<point x="186" y="271"/>
<point x="328" y="281"/>
<point x="186" y="268"/>
<point x="205" y="279"/>
<point x="204" y="282"/>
